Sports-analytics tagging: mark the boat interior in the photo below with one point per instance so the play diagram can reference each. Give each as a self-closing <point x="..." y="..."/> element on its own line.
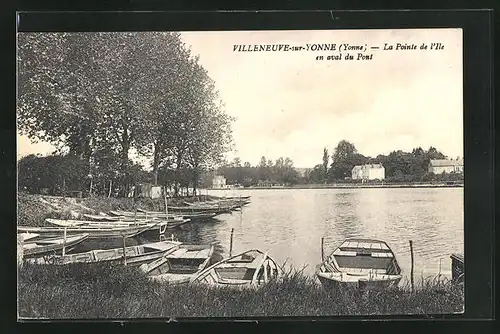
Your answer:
<point x="186" y="259"/>
<point x="363" y="258"/>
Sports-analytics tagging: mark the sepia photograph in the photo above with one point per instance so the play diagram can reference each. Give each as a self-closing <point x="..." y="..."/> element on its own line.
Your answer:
<point x="240" y="174"/>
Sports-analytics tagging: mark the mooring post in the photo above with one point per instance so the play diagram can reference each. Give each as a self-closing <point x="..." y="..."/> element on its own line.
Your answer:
<point x="124" y="252"/>
<point x="110" y="187"/>
<point x="64" y="242"/>
<point x="231" y="243"/>
<point x="165" y="198"/>
<point x="322" y="252"/>
<point x="411" y="270"/>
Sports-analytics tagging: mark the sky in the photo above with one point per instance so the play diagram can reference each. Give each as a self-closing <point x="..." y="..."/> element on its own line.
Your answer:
<point x="288" y="104"/>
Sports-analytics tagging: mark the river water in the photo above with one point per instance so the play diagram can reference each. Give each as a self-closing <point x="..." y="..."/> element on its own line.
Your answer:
<point x="289" y="224"/>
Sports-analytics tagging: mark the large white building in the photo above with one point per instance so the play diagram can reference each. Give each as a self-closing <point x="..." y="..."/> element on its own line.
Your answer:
<point x="219" y="182"/>
<point x="446" y="166"/>
<point x="368" y="172"/>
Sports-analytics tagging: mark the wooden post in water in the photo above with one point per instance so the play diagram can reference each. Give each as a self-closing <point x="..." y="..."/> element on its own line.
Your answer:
<point x="231" y="243"/>
<point x="64" y="243"/>
<point x="124" y="252"/>
<point x="110" y="187"/>
<point x="411" y="270"/>
<point x="322" y="252"/>
<point x="165" y="198"/>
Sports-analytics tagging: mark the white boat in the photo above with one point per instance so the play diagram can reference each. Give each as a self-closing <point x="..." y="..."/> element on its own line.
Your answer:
<point x="28" y="236"/>
<point x="93" y="231"/>
<point x="37" y="247"/>
<point x="360" y="263"/>
<point x="180" y="265"/>
<point x="153" y="224"/>
<point x="134" y="255"/>
<point x="249" y="269"/>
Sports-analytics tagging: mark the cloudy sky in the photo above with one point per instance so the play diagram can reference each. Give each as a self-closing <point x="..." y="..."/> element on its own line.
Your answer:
<point x="290" y="104"/>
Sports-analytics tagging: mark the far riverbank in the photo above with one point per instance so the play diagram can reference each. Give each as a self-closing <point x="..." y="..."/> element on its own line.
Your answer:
<point x="352" y="186"/>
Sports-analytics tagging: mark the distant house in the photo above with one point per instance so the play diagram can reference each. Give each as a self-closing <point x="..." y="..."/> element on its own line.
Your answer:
<point x="145" y="190"/>
<point x="446" y="166"/>
<point x="368" y="172"/>
<point x="219" y="182"/>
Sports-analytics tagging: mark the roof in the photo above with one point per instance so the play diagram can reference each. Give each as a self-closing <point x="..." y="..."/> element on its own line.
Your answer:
<point x="446" y="163"/>
<point x="373" y="166"/>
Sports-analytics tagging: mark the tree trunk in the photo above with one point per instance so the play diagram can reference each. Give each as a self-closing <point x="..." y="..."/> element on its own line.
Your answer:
<point x="195" y="180"/>
<point x="156" y="162"/>
<point x="124" y="164"/>
<point x="177" y="173"/>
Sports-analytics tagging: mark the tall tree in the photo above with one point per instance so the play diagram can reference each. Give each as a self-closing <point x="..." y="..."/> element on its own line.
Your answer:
<point x="58" y="86"/>
<point x="326" y="159"/>
<point x="344" y="158"/>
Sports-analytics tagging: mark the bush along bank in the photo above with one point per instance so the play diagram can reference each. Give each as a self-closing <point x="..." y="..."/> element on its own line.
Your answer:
<point x="112" y="291"/>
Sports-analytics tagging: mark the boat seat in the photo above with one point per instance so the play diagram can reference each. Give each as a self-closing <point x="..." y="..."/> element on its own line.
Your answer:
<point x="365" y="271"/>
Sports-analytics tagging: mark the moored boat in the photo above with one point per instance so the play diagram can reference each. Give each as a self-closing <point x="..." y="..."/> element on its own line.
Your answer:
<point x="153" y="224"/>
<point x="249" y="269"/>
<point x="457" y="267"/>
<point x="141" y="215"/>
<point x="192" y="216"/>
<point x="182" y="210"/>
<point x="180" y="265"/>
<point x="360" y="263"/>
<point x="134" y="255"/>
<point x="28" y="236"/>
<point x="40" y="246"/>
<point x="93" y="231"/>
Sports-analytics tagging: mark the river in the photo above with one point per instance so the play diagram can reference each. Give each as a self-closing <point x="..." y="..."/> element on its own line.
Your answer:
<point x="289" y="224"/>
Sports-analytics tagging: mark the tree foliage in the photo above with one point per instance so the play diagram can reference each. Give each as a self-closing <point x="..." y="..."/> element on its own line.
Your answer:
<point x="103" y="94"/>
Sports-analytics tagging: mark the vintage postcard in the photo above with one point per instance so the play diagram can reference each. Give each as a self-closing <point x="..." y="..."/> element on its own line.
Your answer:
<point x="240" y="173"/>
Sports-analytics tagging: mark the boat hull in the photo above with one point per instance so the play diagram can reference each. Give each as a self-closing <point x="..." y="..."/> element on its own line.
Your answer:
<point x="44" y="247"/>
<point x="134" y="257"/>
<point x="94" y="233"/>
<point x="361" y="284"/>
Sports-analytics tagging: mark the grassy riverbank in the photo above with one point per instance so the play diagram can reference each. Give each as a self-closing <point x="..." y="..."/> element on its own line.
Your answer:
<point x="105" y="291"/>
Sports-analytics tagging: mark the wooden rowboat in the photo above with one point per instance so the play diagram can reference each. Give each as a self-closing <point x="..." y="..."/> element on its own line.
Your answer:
<point x="198" y="209"/>
<point x="154" y="225"/>
<point x="141" y="215"/>
<point x="457" y="267"/>
<point x="360" y="263"/>
<point x="28" y="236"/>
<point x="249" y="269"/>
<point x="37" y="247"/>
<point x="180" y="265"/>
<point x="93" y="231"/>
<point x="134" y="255"/>
<point x="192" y="216"/>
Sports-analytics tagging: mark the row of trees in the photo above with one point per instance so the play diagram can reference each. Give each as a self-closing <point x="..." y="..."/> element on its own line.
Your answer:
<point x="399" y="167"/>
<point x="98" y="96"/>
<point x="281" y="171"/>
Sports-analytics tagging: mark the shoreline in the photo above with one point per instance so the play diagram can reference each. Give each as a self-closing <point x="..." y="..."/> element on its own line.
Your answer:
<point x="347" y="186"/>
